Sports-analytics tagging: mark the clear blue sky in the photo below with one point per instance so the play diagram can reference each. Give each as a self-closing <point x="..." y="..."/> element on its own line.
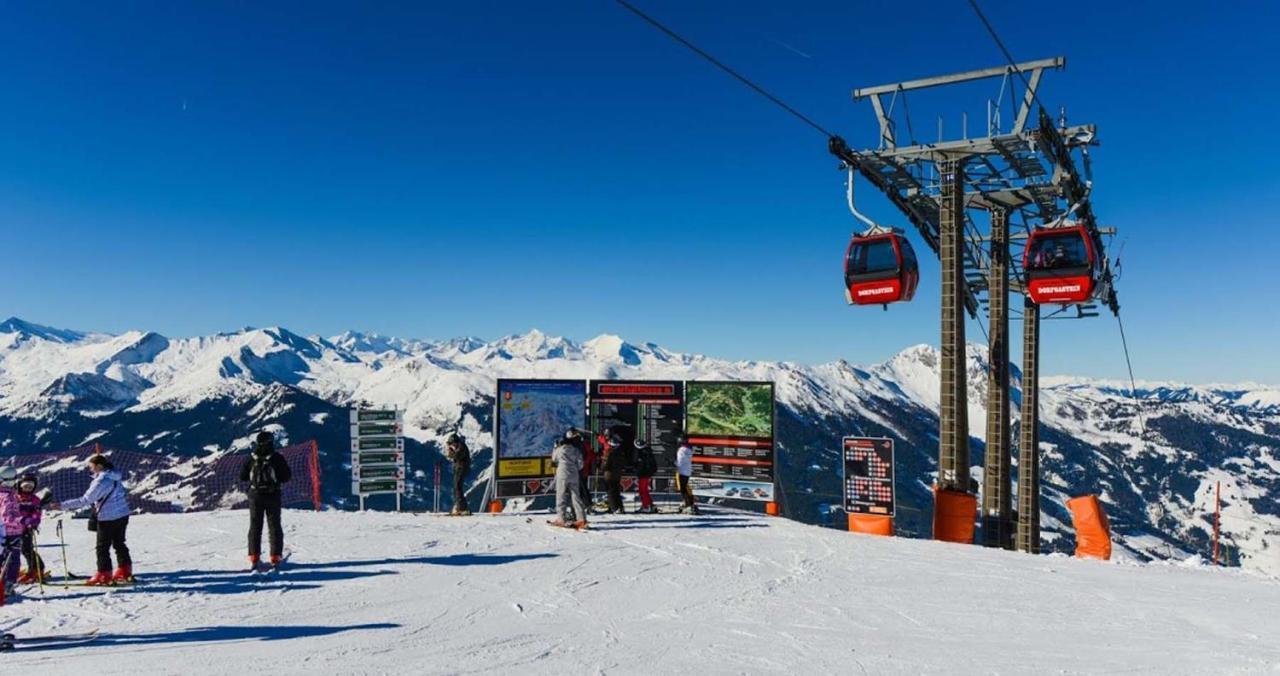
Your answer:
<point x="482" y="168"/>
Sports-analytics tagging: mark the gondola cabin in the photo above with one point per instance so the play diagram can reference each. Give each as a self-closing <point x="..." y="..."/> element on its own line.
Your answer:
<point x="880" y="269"/>
<point x="1061" y="265"/>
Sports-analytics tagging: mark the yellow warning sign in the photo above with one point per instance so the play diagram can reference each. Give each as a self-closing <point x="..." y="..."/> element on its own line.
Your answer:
<point x="520" y="467"/>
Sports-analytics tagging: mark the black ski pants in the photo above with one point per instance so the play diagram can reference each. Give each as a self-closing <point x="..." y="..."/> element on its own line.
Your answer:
<point x="686" y="491"/>
<point x="111" y="535"/>
<point x="265" y="505"/>
<point x="613" y="484"/>
<point x="34" y="561"/>
<point x="459" y="490"/>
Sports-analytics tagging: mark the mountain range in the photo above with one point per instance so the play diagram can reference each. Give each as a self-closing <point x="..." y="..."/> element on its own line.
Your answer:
<point x="1155" y="455"/>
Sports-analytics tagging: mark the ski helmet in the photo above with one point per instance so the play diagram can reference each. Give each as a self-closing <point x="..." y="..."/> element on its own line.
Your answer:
<point x="453" y="439"/>
<point x="8" y="473"/>
<point x="29" y="478"/>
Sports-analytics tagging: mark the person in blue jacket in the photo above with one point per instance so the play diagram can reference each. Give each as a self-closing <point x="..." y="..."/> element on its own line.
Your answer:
<point x="107" y="496"/>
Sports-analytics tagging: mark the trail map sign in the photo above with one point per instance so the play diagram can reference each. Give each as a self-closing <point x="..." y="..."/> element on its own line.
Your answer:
<point x="730" y="426"/>
<point x="377" y="452"/>
<point x="654" y="409"/>
<point x="868" y="476"/>
<point x="529" y="416"/>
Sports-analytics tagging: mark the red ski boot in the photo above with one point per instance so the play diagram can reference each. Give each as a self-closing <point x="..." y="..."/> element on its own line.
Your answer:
<point x="275" y="560"/>
<point x="101" y="579"/>
<point x="123" y="575"/>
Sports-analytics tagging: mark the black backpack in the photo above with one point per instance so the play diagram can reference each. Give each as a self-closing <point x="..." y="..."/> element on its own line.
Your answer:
<point x="262" y="475"/>
<point x="460" y="455"/>
<point x="646" y="464"/>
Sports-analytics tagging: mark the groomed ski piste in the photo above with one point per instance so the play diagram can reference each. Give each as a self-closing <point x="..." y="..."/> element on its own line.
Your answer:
<point x="723" y="593"/>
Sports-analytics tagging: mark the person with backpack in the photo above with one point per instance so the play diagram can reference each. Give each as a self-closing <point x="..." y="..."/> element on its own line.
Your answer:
<point x="107" y="496"/>
<point x="646" y="467"/>
<point x="266" y="471"/>
<point x="684" y="472"/>
<point x="458" y="453"/>
<point x="567" y="459"/>
<point x="31" y="505"/>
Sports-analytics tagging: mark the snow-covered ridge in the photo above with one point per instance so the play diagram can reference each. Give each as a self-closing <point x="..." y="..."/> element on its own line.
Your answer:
<point x="1155" y="459"/>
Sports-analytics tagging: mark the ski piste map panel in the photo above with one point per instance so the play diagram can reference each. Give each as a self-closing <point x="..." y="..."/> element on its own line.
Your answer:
<point x="655" y="410"/>
<point x="377" y="451"/>
<point x="730" y="426"/>
<point x="868" y="476"/>
<point x="531" y="415"/>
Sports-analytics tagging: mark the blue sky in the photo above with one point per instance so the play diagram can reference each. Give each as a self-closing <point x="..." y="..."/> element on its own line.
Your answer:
<point x="482" y="168"/>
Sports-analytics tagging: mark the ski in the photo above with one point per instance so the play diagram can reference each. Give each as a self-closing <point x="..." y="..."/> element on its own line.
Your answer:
<point x="11" y="642"/>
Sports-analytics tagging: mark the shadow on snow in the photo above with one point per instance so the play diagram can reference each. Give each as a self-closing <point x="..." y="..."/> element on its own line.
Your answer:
<point x="211" y="635"/>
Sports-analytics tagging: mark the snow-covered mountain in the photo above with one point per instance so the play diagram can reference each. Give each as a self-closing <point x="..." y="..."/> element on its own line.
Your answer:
<point x="1155" y="459"/>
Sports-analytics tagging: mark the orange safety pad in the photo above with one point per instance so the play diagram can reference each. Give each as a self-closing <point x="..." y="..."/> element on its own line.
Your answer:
<point x="1093" y="531"/>
<point x="954" y="513"/>
<point x="871" y="524"/>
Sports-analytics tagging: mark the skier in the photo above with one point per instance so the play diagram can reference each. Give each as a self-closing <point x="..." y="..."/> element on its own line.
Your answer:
<point x="460" y="456"/>
<point x="107" y="496"/>
<point x="584" y="478"/>
<point x="10" y="530"/>
<point x="567" y="458"/>
<point x="265" y="470"/>
<point x="618" y="442"/>
<point x="32" y="506"/>
<point x="684" y="471"/>
<point x="646" y="467"/>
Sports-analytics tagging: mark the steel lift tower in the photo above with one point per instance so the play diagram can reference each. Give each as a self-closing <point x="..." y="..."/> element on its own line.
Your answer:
<point x="1021" y="176"/>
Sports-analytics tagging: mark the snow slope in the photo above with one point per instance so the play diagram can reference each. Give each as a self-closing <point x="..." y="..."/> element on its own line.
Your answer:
<point x="729" y="593"/>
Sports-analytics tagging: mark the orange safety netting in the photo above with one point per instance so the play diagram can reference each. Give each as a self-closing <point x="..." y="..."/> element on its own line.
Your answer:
<point x="1093" y="531"/>
<point x="954" y="513"/>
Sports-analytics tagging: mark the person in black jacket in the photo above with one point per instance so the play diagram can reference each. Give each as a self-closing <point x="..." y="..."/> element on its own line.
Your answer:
<point x="458" y="454"/>
<point x="619" y="444"/>
<point x="266" y="471"/>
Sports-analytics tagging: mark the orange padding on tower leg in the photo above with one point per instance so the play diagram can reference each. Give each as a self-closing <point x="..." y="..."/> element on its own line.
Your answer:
<point x="954" y="513"/>
<point x="495" y="506"/>
<point x="871" y="524"/>
<point x="771" y="508"/>
<point x="1093" y="531"/>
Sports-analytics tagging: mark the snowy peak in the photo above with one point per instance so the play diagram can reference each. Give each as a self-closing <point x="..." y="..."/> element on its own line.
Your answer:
<point x="22" y="330"/>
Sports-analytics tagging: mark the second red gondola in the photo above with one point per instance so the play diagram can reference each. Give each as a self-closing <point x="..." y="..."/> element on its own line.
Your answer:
<point x="1062" y="266"/>
<point x="880" y="268"/>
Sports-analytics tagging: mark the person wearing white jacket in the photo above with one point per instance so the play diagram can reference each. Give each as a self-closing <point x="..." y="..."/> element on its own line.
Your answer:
<point x="567" y="458"/>
<point x="107" y="496"/>
<point x="684" y="471"/>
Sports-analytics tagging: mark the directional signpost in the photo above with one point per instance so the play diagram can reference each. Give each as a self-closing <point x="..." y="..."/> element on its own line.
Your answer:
<point x="377" y="453"/>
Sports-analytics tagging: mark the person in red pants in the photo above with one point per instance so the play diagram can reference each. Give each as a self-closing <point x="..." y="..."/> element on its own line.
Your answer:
<point x="646" y="467"/>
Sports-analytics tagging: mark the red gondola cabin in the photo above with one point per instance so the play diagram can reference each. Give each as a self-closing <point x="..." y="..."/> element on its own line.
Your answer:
<point x="1061" y="265"/>
<point x="880" y="269"/>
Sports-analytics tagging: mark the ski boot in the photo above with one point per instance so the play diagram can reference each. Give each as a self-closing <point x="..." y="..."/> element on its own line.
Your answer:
<point x="580" y="524"/>
<point x="26" y="577"/>
<point x="123" y="575"/>
<point x="275" y="560"/>
<point x="253" y="561"/>
<point x="101" y="579"/>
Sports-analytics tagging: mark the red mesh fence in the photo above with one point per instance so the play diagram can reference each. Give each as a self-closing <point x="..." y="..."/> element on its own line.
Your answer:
<point x="161" y="483"/>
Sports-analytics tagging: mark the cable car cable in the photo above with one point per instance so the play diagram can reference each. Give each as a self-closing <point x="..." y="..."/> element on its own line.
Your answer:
<point x="1008" y="57"/>
<point x="1133" y="386"/>
<point x="716" y="62"/>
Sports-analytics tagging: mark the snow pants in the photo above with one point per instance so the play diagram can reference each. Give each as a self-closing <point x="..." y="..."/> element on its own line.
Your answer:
<point x="646" y="498"/>
<point x="459" y="491"/>
<point x="11" y="557"/>
<point x="686" y="491"/>
<point x="34" y="561"/>
<point x="111" y="535"/>
<point x="613" y="484"/>
<point x="568" y="495"/>
<point x="265" y="505"/>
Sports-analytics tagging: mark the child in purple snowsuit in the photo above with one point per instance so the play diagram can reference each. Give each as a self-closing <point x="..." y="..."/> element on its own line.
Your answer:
<point x="13" y="528"/>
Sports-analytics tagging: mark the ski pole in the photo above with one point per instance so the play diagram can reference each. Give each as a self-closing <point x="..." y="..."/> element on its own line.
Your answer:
<point x="66" y="571"/>
<point x="39" y="562"/>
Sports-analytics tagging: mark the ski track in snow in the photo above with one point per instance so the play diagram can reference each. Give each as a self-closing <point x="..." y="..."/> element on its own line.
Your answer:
<point x="727" y="593"/>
